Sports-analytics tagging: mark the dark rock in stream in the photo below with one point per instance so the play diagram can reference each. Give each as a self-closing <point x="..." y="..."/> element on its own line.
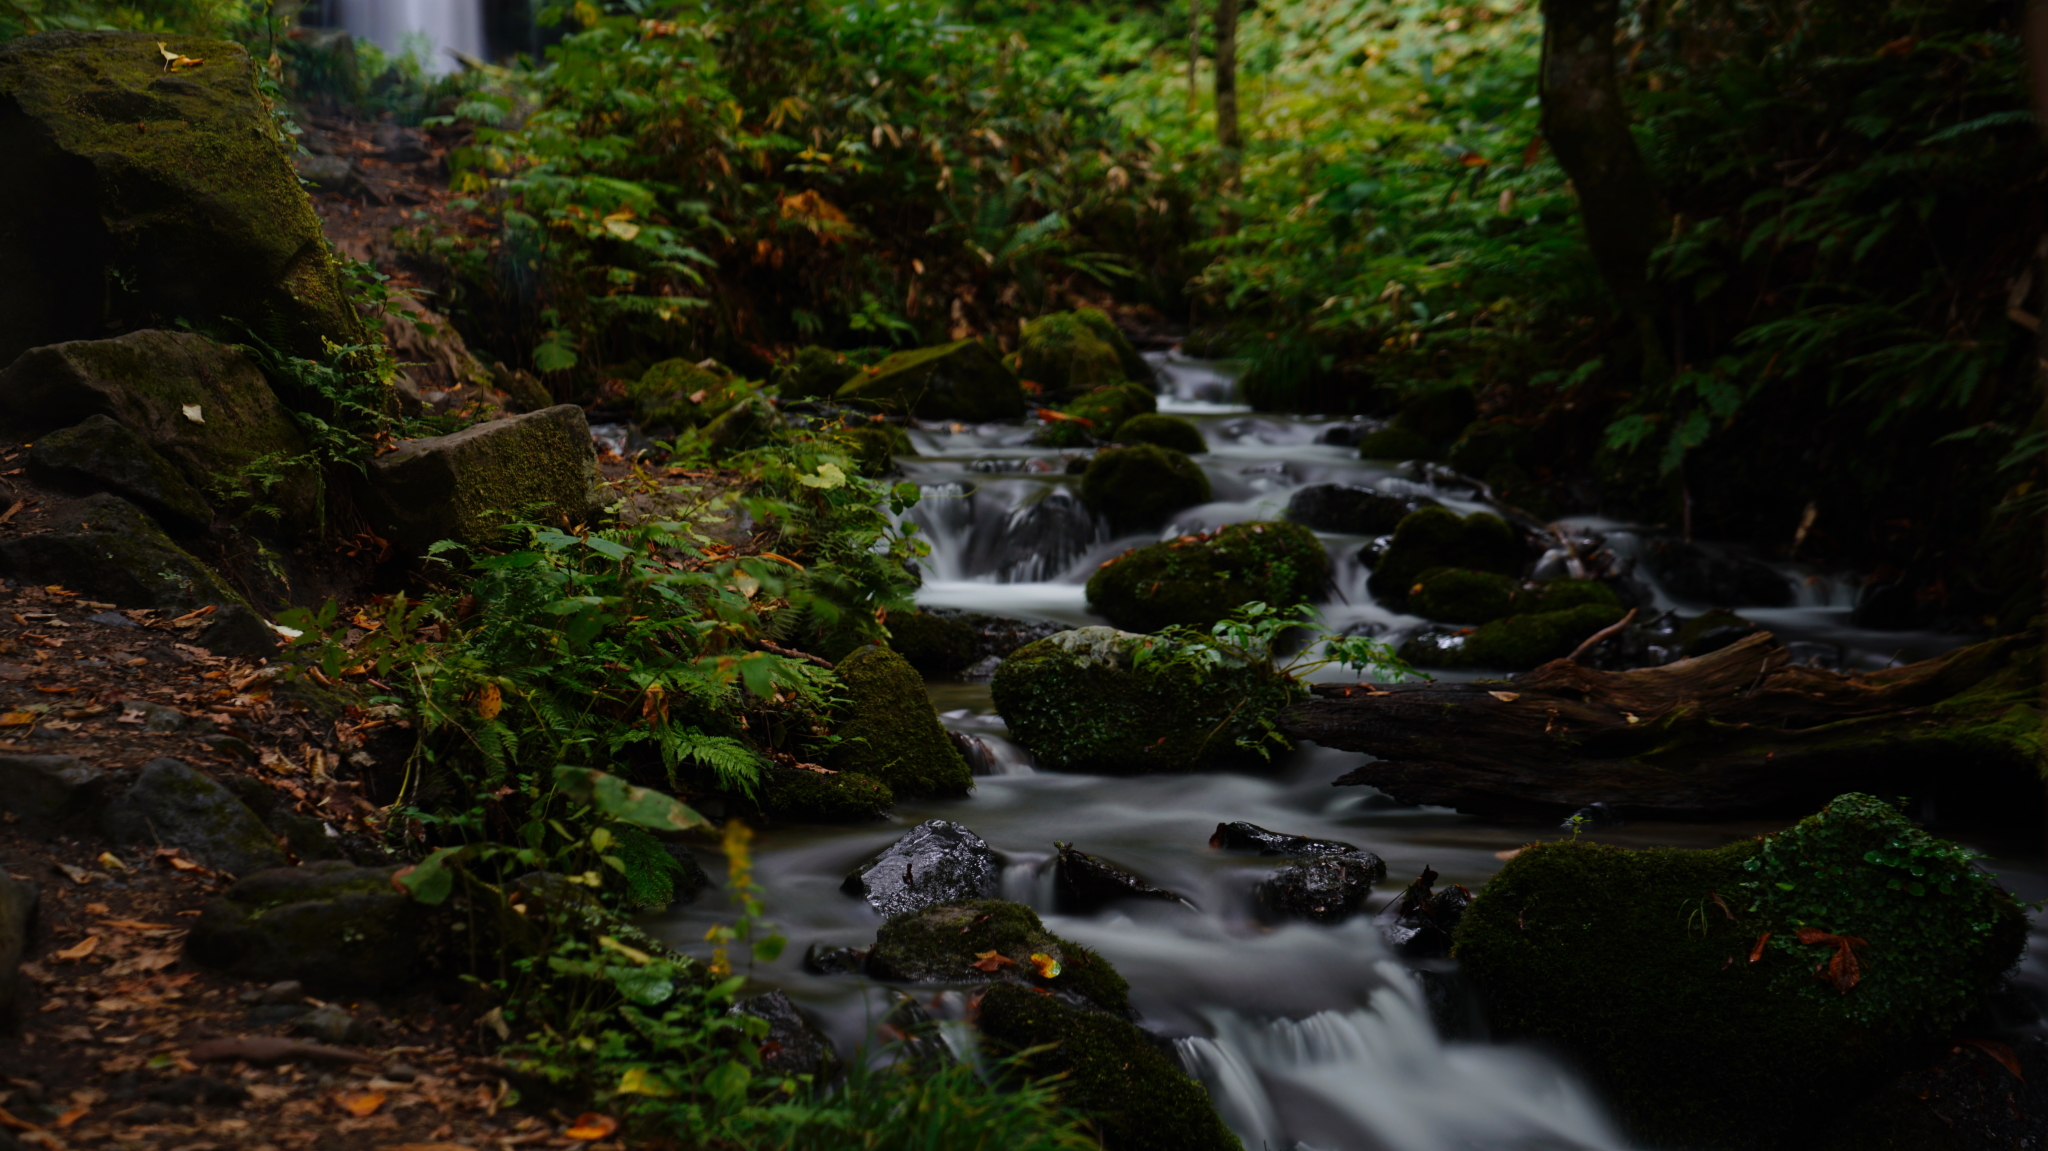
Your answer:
<point x="794" y="1045"/>
<point x="1252" y="837"/>
<point x="1087" y="883"/>
<point x="1352" y="510"/>
<point x="1692" y="573"/>
<point x="993" y="940"/>
<point x="937" y="862"/>
<point x="826" y="959"/>
<point x="1589" y="817"/>
<point x="1420" y="924"/>
<point x="1324" y="889"/>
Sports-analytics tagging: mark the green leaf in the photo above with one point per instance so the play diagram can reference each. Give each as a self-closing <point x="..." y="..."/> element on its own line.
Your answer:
<point x="766" y="950"/>
<point x="619" y="800"/>
<point x="430" y="881"/>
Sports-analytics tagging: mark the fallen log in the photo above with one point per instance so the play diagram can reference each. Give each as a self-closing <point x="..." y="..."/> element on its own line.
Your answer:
<point x="1738" y="732"/>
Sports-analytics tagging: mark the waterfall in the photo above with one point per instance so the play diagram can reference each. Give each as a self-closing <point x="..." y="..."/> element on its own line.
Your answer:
<point x="438" y="26"/>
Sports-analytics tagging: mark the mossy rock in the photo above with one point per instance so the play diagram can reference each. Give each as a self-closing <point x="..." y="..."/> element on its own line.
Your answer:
<point x="957" y="381"/>
<point x="1138" y="487"/>
<point x="1094" y="415"/>
<point x="1639" y="965"/>
<point x="941" y="944"/>
<point x="103" y="454"/>
<point x="1137" y="368"/>
<point x="812" y="373"/>
<point x="155" y="195"/>
<point x="876" y="446"/>
<point x="1516" y="643"/>
<point x="1078" y="702"/>
<point x="1458" y="595"/>
<point x="1441" y="538"/>
<point x="1112" y="1073"/>
<point x="1066" y="355"/>
<point x="340" y="930"/>
<point x="1391" y="443"/>
<point x="471" y="485"/>
<point x="889" y="731"/>
<point x="749" y="423"/>
<point x="937" y="646"/>
<point x="171" y="805"/>
<point x="681" y="394"/>
<point x="1200" y="580"/>
<point x="1485" y="446"/>
<point x="804" y="796"/>
<point x="1170" y="432"/>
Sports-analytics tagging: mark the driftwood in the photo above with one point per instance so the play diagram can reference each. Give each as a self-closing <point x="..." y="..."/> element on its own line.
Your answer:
<point x="1738" y="732"/>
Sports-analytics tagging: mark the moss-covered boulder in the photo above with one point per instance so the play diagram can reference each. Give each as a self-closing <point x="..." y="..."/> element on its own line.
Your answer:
<point x="679" y="393"/>
<point x="1459" y="595"/>
<point x="134" y="194"/>
<point x="812" y="373"/>
<point x="1138" y="487"/>
<point x="803" y="795"/>
<point x="1350" y="509"/>
<point x="1093" y="415"/>
<point x="340" y="930"/>
<point x="1136" y="368"/>
<point x="171" y="805"/>
<point x="1198" y="580"/>
<point x="200" y="405"/>
<point x="1742" y="997"/>
<point x="1483" y="447"/>
<point x="1170" y="432"/>
<point x="1441" y="538"/>
<point x="889" y="731"/>
<point x="1113" y="1073"/>
<point x="1079" y="701"/>
<point x="945" y="942"/>
<point x="469" y="486"/>
<point x="1065" y="355"/>
<point x="937" y="646"/>
<point x="102" y="454"/>
<point x="957" y="381"/>
<point x="1515" y="643"/>
<point x="1391" y="443"/>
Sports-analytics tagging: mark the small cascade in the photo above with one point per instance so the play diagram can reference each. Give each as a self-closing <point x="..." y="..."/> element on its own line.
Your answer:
<point x="1380" y="1078"/>
<point x="430" y="28"/>
<point x="1006" y="531"/>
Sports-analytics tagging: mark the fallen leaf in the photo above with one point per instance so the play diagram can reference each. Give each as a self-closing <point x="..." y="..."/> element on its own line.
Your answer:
<point x="55" y="690"/>
<point x="992" y="961"/>
<point x="78" y="875"/>
<point x="360" y="1103"/>
<point x="1991" y="1047"/>
<point x="111" y="862"/>
<point x="12" y="510"/>
<point x="417" y="1146"/>
<point x="1510" y="853"/>
<point x="1046" y="964"/>
<point x="90" y="944"/>
<point x="1505" y="696"/>
<point x="1757" y="952"/>
<point x="71" y="1116"/>
<point x="17" y="718"/>
<point x="490" y="702"/>
<point x="193" y="413"/>
<point x="1722" y="904"/>
<point x="1842" y="969"/>
<point x="591" y="1126"/>
<point x="7" y="1119"/>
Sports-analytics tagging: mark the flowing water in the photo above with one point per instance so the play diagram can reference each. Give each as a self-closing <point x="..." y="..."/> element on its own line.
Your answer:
<point x="1306" y="1036"/>
<point x="430" y="29"/>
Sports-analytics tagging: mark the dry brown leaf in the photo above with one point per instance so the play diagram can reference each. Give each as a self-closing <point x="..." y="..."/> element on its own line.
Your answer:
<point x="591" y="1126"/>
<point x="992" y="961"/>
<point x="2000" y="1052"/>
<point x="425" y="1147"/>
<point x="90" y="944"/>
<point x="1505" y="696"/>
<point x="17" y="718"/>
<point x="489" y="702"/>
<point x="360" y="1103"/>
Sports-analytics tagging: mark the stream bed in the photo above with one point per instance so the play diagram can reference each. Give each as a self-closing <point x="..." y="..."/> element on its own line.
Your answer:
<point x="1307" y="1036"/>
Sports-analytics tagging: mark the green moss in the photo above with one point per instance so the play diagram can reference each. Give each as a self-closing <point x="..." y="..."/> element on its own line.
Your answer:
<point x="1486" y="446"/>
<point x="889" y="731"/>
<point x="812" y="373"/>
<point x="1711" y="631"/>
<point x="937" y="646"/>
<point x="1112" y="1073"/>
<point x="1138" y="487"/>
<point x="1516" y="643"/>
<point x="1439" y="538"/>
<point x="1135" y="367"/>
<point x="1077" y="702"/>
<point x="1198" y="580"/>
<point x="876" y="446"/>
<point x="1064" y="354"/>
<point x="749" y="423"/>
<point x="940" y="944"/>
<point x="1169" y="432"/>
<point x="795" y="793"/>
<point x="1395" y="444"/>
<point x="679" y="394"/>
<point x="1627" y="960"/>
<point x="1457" y="595"/>
<point x="957" y="381"/>
<point x="469" y="486"/>
<point x="1094" y="415"/>
<point x="1563" y="594"/>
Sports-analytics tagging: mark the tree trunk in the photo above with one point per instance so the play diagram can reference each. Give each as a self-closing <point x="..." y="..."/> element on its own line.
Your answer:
<point x="1227" y="131"/>
<point x="1738" y="732"/>
<point x="1587" y="127"/>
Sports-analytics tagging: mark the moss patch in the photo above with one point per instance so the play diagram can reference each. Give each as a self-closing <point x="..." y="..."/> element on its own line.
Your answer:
<point x="1626" y="960"/>
<point x="1198" y="580"/>
<point x="941" y="944"/>
<point x="1441" y="538"/>
<point x="805" y="796"/>
<point x="1138" y="487"/>
<point x="1516" y="643"/>
<point x="1458" y="595"/>
<point x="1135" y="367"/>
<point x="958" y="381"/>
<point x="1094" y="414"/>
<point x="1077" y="703"/>
<point x="679" y="394"/>
<point x="1065" y="354"/>
<point x="812" y="373"/>
<point x="889" y="731"/>
<point x="1169" y="432"/>
<point x="937" y="646"/>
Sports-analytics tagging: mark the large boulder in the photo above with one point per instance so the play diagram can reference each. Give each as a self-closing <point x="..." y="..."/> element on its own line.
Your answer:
<point x="1742" y="997"/>
<point x="1136" y="368"/>
<point x="136" y="195"/>
<point x="1349" y="509"/>
<point x="808" y="793"/>
<point x="1087" y="883"/>
<point x="1441" y="538"/>
<point x="202" y="406"/>
<point x="1080" y="701"/>
<point x="680" y="393"/>
<point x="171" y="805"/>
<point x="958" y="381"/>
<point x="102" y="454"/>
<point x="1198" y="580"/>
<point x="1139" y="486"/>
<point x="46" y="790"/>
<point x="889" y="732"/>
<point x="938" y="861"/>
<point x="938" y="646"/>
<point x="952" y="942"/>
<point x="106" y="548"/>
<point x="338" y="929"/>
<point x="1065" y="355"/>
<point x="1170" y="432"/>
<point x="469" y="486"/>
<point x="18" y="900"/>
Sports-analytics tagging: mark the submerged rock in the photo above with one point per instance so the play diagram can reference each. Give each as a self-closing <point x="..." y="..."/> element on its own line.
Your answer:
<point x="957" y="381"/>
<point x="1086" y="883"/>
<point x="993" y="940"/>
<point x="1441" y="538"/>
<point x="1326" y="888"/>
<point x="337" y="929"/>
<point x="1079" y="702"/>
<point x="171" y="805"/>
<point x="938" y="861"/>
<point x="1199" y="580"/>
<point x="1421" y="924"/>
<point x="469" y="486"/>
<point x="1349" y="509"/>
<point x="1138" y="487"/>
<point x="889" y="732"/>
<point x="1251" y="837"/>
<point x="1742" y="996"/>
<point x="1170" y="432"/>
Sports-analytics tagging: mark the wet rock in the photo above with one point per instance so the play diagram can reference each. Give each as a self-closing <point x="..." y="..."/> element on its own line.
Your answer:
<point x="996" y="636"/>
<point x="106" y="548"/>
<point x="337" y="929"/>
<point x="826" y="959"/>
<point x="1092" y="415"/>
<point x="1067" y="353"/>
<point x="1456" y="595"/>
<point x="937" y="646"/>
<point x="1694" y="574"/>
<point x="18" y="899"/>
<point x="1322" y="888"/>
<point x="171" y="805"/>
<point x="793" y="1045"/>
<point x="331" y="1025"/>
<point x="1712" y="631"/>
<point x="469" y="485"/>
<point x="102" y="454"/>
<point x="952" y="943"/>
<point x="1517" y="643"/>
<point x="1136" y="1095"/>
<point x="1252" y="837"/>
<point x="1078" y="702"/>
<point x="46" y="790"/>
<point x="183" y="183"/>
<point x="801" y="794"/>
<point x="1421" y="924"/>
<point x="888" y="731"/>
<point x="957" y="381"/>
<point x="1440" y="538"/>
<point x="1198" y="580"/>
<point x="1039" y="541"/>
<point x="1170" y="432"/>
<point x="937" y="862"/>
<point x="1139" y="487"/>
<point x="1086" y="883"/>
<point x="1352" y="510"/>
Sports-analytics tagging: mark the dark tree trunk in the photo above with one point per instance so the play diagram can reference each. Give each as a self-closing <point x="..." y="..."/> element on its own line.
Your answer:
<point x="1586" y="124"/>
<point x="1737" y="732"/>
<point x="1227" y="131"/>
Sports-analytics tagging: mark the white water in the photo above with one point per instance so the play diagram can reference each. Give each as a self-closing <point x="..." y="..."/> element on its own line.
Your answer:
<point x="430" y="29"/>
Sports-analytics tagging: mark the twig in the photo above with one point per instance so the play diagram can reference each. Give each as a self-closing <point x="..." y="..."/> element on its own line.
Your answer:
<point x="791" y="653"/>
<point x="1593" y="641"/>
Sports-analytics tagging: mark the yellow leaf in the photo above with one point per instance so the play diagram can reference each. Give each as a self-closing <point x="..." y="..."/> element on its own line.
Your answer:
<point x="1046" y="964"/>
<point x="636" y="1081"/>
<point x="112" y="862"/>
<point x="17" y="719"/>
<point x="490" y="702"/>
<point x="90" y="944"/>
<point x="633" y="953"/>
<point x="591" y="1126"/>
<point x="361" y="1103"/>
<point x="620" y="224"/>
